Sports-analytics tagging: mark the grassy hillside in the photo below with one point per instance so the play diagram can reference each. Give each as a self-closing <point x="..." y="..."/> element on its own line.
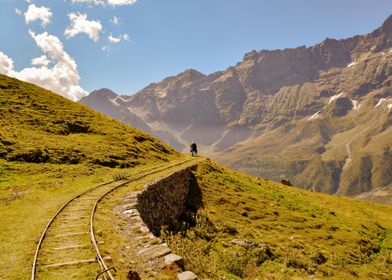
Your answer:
<point x="38" y="126"/>
<point x="50" y="150"/>
<point x="289" y="233"/>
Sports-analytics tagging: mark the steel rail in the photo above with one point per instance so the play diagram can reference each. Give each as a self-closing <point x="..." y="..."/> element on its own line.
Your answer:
<point x="92" y="232"/>
<point x="100" y="259"/>
<point x="34" y="269"/>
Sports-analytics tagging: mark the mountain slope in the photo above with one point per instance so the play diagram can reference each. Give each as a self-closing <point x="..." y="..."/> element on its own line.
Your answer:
<point x="38" y="126"/>
<point x="319" y="116"/>
<point x="52" y="149"/>
<point x="291" y="232"/>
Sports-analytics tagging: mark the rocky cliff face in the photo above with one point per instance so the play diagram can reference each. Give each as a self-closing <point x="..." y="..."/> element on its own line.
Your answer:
<point x="319" y="116"/>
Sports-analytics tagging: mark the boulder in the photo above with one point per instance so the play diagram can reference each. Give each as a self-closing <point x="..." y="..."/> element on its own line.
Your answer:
<point x="245" y="243"/>
<point x="187" y="275"/>
<point x="174" y="259"/>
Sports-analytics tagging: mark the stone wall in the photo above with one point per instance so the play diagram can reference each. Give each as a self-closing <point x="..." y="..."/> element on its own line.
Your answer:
<point x="162" y="202"/>
<point x="159" y="203"/>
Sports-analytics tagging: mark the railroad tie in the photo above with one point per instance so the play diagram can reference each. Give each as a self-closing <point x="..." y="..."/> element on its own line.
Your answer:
<point x="71" y="234"/>
<point x="72" y="247"/>
<point x="92" y="260"/>
<point x="73" y="218"/>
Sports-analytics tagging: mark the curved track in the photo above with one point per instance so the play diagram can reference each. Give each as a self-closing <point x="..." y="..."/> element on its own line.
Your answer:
<point x="68" y="247"/>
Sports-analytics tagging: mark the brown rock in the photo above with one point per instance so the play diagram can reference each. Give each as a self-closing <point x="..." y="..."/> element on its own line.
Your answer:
<point x="286" y="182"/>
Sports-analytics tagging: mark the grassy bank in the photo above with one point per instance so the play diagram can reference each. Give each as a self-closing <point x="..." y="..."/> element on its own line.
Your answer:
<point x="288" y="233"/>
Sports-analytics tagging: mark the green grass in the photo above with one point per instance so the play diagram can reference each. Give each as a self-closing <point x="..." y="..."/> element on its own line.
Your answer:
<point x="300" y="233"/>
<point x="50" y="150"/>
<point x="115" y="232"/>
<point x="30" y="194"/>
<point x="38" y="126"/>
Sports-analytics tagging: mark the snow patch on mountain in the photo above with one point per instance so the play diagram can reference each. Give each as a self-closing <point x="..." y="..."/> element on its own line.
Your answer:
<point x="380" y="102"/>
<point x="355" y="104"/>
<point x="114" y="102"/>
<point x="161" y="94"/>
<point x="332" y="98"/>
<point x="315" y="116"/>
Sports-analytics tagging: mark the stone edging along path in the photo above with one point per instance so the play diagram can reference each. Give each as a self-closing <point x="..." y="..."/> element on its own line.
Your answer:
<point x="159" y="203"/>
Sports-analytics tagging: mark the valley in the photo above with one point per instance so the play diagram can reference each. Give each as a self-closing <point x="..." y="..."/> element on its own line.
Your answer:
<point x="319" y="116"/>
<point x="243" y="227"/>
<point x="195" y="140"/>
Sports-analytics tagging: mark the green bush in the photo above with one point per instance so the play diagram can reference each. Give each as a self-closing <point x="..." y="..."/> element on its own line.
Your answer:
<point x="121" y="176"/>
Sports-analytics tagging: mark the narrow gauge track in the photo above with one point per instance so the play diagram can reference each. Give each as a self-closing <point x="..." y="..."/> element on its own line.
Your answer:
<point x="68" y="248"/>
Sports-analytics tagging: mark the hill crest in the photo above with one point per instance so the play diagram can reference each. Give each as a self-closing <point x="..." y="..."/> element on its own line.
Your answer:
<point x="39" y="126"/>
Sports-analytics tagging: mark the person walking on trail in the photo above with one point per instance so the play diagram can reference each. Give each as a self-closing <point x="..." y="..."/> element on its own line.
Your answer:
<point x="193" y="148"/>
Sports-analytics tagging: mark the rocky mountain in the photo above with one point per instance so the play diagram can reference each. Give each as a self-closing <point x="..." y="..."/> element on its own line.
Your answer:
<point x="223" y="223"/>
<point x="319" y="116"/>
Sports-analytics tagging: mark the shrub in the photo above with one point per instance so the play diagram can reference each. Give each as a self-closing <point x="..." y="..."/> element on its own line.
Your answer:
<point x="31" y="156"/>
<point x="230" y="230"/>
<point x="319" y="258"/>
<point x="121" y="176"/>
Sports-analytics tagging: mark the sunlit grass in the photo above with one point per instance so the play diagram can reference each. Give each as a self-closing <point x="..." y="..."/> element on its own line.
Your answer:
<point x="307" y="233"/>
<point x="50" y="150"/>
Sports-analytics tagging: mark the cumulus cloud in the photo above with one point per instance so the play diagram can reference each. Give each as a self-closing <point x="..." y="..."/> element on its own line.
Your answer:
<point x="62" y="78"/>
<point x="40" y="61"/>
<point x="18" y="12"/>
<point x="121" y="2"/>
<point x="115" y="40"/>
<point x="6" y="64"/>
<point x="106" y="2"/>
<point x="115" y="20"/>
<point x="80" y="24"/>
<point x="38" y="13"/>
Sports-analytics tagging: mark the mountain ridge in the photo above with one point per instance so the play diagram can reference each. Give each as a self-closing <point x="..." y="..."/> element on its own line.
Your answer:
<point x="53" y="150"/>
<point x="319" y="93"/>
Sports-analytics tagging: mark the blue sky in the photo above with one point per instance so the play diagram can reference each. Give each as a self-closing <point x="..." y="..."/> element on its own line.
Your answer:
<point x="160" y="38"/>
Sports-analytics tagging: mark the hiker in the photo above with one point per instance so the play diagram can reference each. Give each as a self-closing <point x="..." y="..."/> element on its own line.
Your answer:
<point x="193" y="148"/>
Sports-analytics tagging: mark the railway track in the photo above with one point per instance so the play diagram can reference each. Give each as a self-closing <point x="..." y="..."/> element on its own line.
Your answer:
<point x="68" y="247"/>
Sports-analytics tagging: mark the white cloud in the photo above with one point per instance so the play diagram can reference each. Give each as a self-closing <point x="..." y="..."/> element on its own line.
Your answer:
<point x="96" y="2"/>
<point x="18" y="12"/>
<point x="6" y="64"/>
<point x="62" y="78"/>
<point x="80" y="24"/>
<point x="115" y="20"/>
<point x="121" y="2"/>
<point x="115" y="40"/>
<point x="40" y="61"/>
<point x="38" y="13"/>
<point x="106" y="2"/>
<point x="105" y="48"/>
